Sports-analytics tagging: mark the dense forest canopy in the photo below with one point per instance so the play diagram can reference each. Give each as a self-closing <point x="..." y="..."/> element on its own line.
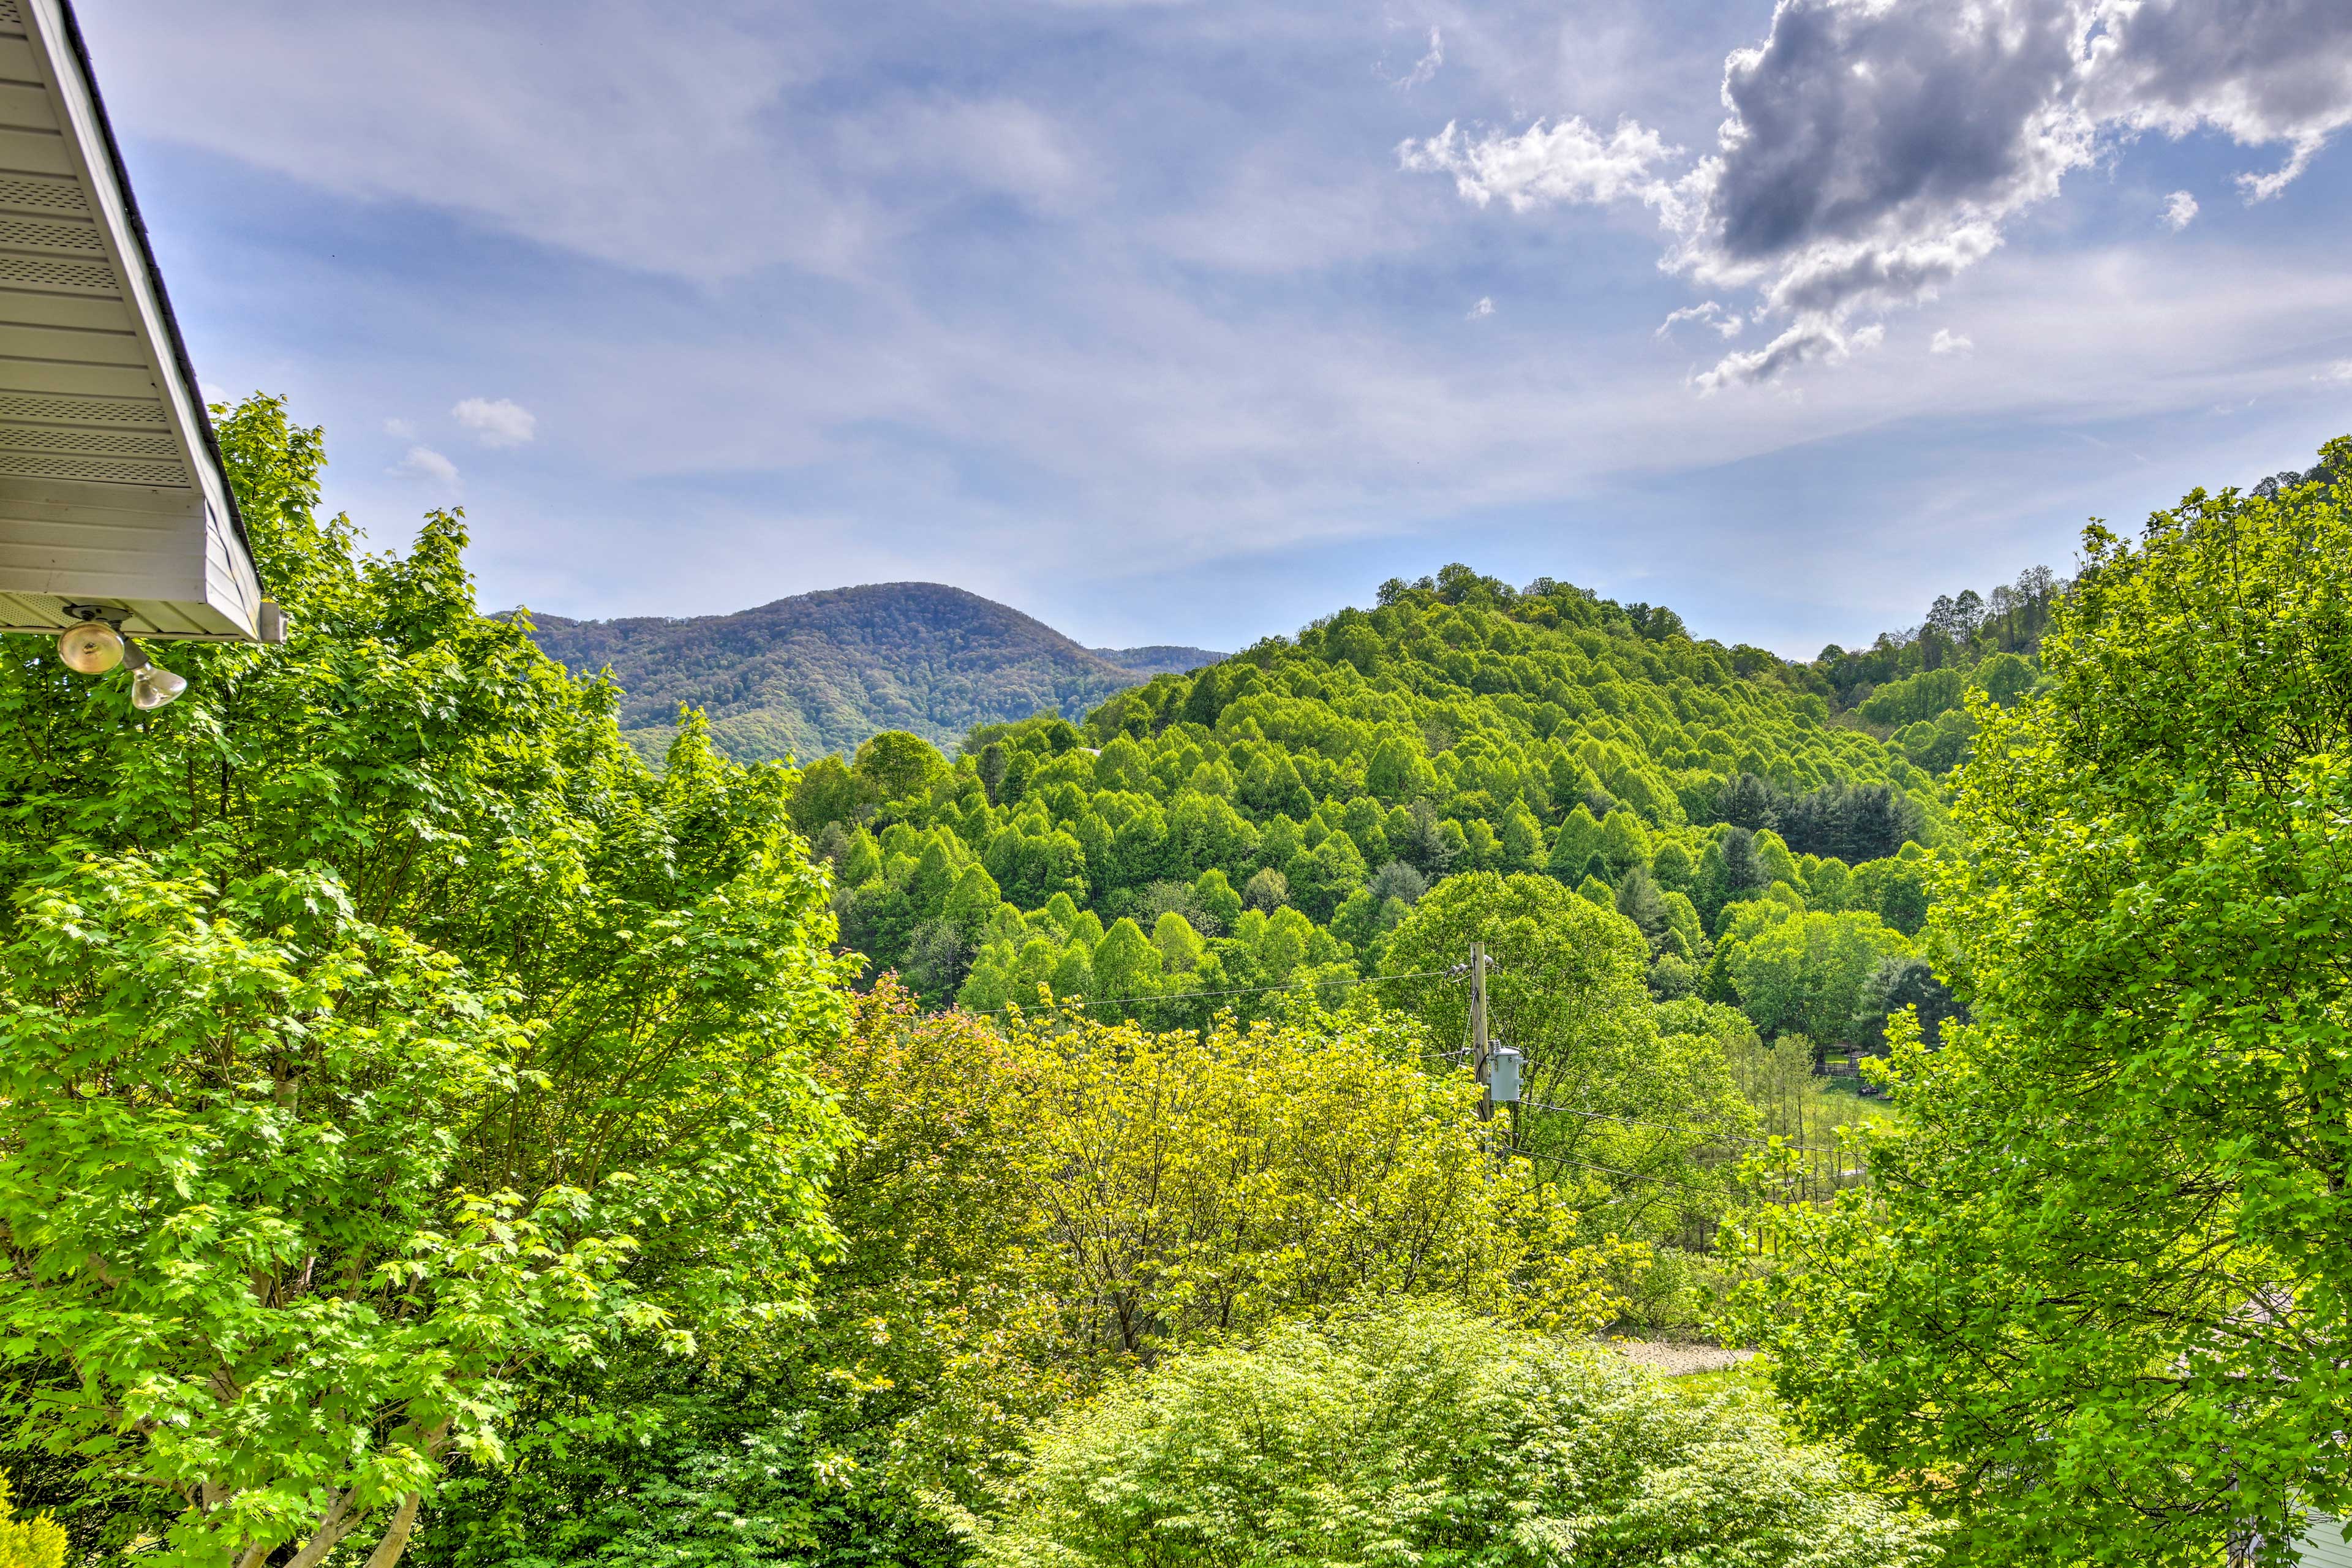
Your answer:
<point x="377" y="1034"/>
<point x="1271" y="820"/>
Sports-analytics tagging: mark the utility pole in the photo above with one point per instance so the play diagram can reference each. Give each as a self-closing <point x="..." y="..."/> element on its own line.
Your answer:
<point x="1479" y="1063"/>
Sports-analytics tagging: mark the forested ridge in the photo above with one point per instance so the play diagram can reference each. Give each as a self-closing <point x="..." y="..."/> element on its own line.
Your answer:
<point x="821" y="673"/>
<point x="1271" y="820"/>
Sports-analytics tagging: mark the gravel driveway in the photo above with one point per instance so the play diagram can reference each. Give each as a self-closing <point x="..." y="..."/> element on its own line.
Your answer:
<point x="1675" y="1360"/>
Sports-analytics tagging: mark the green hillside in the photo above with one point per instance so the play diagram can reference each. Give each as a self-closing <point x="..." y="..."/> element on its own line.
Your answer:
<point x="1160" y="658"/>
<point x="1276" y="816"/>
<point x="1910" y="687"/>
<point x="821" y="673"/>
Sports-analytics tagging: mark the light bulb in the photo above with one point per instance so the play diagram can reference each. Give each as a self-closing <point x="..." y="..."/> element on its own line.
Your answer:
<point x="91" y="647"/>
<point x="155" y="685"/>
<point x="151" y="685"/>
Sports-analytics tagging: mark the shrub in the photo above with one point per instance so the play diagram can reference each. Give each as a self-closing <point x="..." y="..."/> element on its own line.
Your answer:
<point x="1422" y="1433"/>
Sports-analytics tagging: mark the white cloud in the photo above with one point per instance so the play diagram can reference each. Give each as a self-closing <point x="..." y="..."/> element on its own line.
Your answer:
<point x="2179" y="211"/>
<point x="1948" y="342"/>
<point x="214" y="394"/>
<point x="1873" y="151"/>
<point x="400" y="429"/>
<point x="1190" y="347"/>
<point x="2341" y="371"/>
<point x="425" y="463"/>
<point x="2278" y="73"/>
<point x="1726" y="323"/>
<point x="1485" y="307"/>
<point x="497" y="422"/>
<point x="1569" y="161"/>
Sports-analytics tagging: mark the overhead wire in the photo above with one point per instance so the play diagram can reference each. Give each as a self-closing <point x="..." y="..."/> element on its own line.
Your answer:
<point x="1672" y="1126"/>
<point x="1534" y="1155"/>
<point x="1454" y="971"/>
<point x="1235" y="991"/>
<point x="1550" y="1106"/>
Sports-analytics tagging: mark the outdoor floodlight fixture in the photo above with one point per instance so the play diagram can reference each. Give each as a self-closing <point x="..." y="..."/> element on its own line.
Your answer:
<point x="90" y="646"/>
<point x="96" y="643"/>
<point x="151" y="685"/>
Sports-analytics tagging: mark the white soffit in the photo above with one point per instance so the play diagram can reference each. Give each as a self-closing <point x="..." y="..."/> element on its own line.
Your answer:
<point x="111" y="491"/>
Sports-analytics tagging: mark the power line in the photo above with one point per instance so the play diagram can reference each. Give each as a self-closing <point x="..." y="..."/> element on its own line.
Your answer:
<point x="1534" y="1155"/>
<point x="1453" y="973"/>
<point x="1237" y="991"/>
<point x="1662" y="1126"/>
<point x="1671" y="1127"/>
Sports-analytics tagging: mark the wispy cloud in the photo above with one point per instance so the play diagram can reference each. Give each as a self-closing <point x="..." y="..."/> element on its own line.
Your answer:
<point x="1817" y="342"/>
<point x="1484" y="307"/>
<point x="2340" y="372"/>
<point x="2179" y="211"/>
<point x="497" y="422"/>
<point x="1948" y="342"/>
<point x="973" y="293"/>
<point x="932" y="145"/>
<point x="1427" y="66"/>
<point x="1708" y="313"/>
<point x="587" y="129"/>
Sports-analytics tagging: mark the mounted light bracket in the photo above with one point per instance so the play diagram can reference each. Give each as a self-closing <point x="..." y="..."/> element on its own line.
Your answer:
<point x="96" y="643"/>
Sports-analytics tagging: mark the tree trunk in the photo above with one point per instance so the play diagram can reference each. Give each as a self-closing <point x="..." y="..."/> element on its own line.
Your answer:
<point x="339" y="1522"/>
<point x="396" y="1534"/>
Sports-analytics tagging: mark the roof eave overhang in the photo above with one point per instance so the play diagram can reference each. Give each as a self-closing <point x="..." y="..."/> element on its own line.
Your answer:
<point x="113" y="490"/>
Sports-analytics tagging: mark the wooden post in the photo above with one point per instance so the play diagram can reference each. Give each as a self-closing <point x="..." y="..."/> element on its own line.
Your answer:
<point x="1479" y="1065"/>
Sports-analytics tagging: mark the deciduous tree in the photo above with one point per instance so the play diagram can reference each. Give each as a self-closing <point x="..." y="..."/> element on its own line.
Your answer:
<point x="2100" y="1304"/>
<point x="374" y="1025"/>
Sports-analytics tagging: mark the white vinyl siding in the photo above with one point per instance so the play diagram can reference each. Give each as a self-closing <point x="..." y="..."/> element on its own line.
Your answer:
<point x="2323" y="1545"/>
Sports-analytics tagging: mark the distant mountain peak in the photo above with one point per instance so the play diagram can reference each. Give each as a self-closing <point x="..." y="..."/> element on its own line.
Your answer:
<point x="1160" y="658"/>
<point x="820" y="673"/>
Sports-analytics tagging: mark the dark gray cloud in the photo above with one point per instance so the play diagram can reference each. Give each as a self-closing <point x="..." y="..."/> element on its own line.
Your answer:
<point x="1872" y="151"/>
<point x="2261" y="71"/>
<point x="1856" y="121"/>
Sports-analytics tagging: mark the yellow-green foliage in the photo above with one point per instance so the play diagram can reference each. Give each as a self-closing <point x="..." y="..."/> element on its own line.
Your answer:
<point x="1803" y="971"/>
<point x="2098" y="1295"/>
<point x="1029" y="1211"/>
<point x="36" y="1543"/>
<point x="1181" y="1184"/>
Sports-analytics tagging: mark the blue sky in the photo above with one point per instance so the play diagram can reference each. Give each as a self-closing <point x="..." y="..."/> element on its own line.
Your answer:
<point x="1190" y="322"/>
